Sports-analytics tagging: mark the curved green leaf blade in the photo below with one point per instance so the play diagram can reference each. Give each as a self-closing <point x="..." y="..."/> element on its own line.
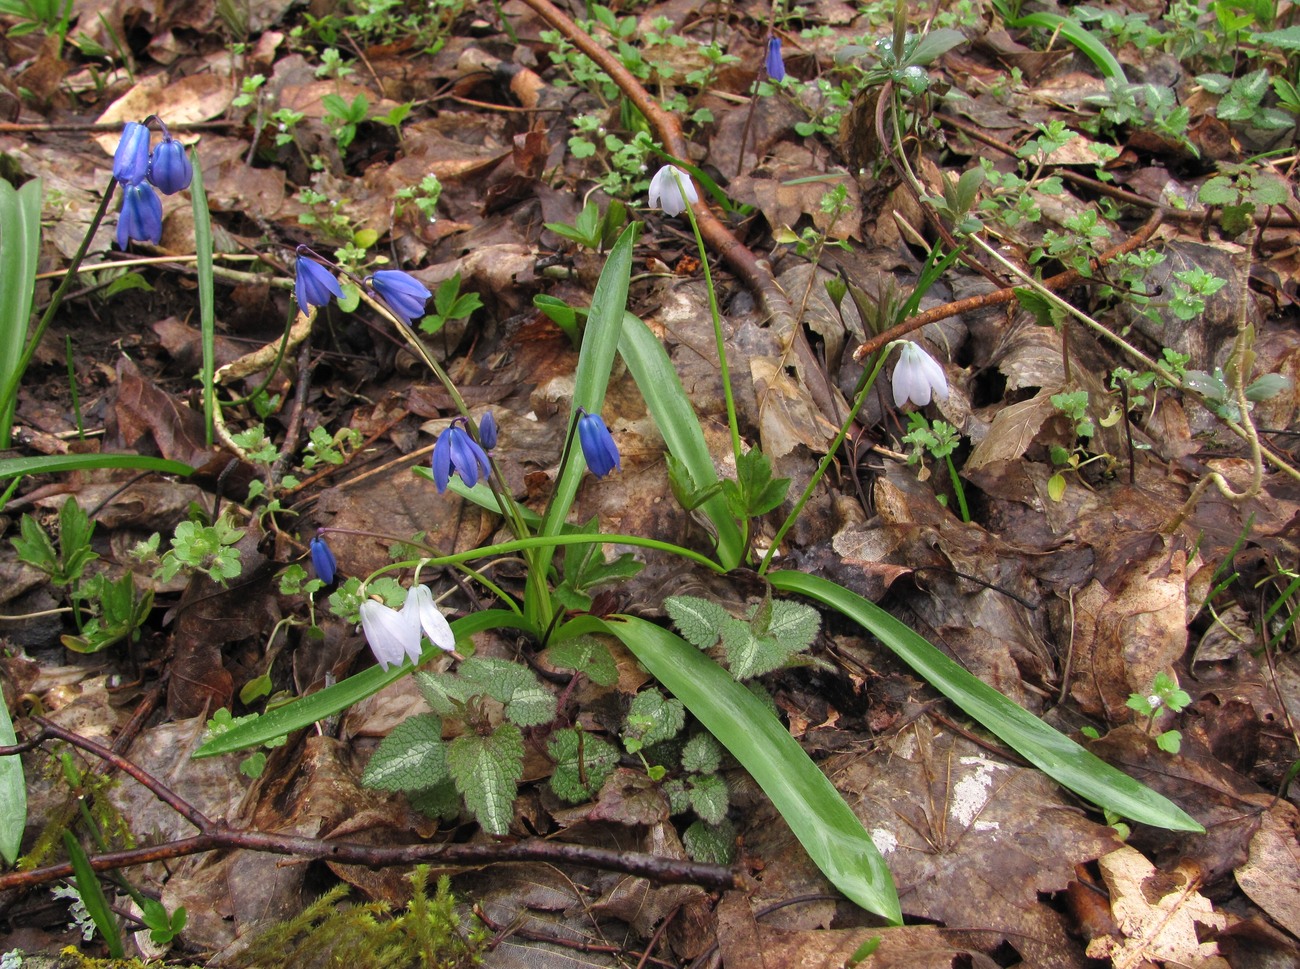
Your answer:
<point x="596" y="359"/>
<point x="58" y="463"/>
<point x="13" y="793"/>
<point x="675" y="417"/>
<point x="824" y="824"/>
<point x="1055" y="754"/>
<point x="307" y="710"/>
<point x="1074" y="32"/>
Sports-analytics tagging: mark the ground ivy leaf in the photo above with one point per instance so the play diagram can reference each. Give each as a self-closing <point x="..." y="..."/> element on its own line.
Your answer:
<point x="702" y="754"/>
<point x="486" y="771"/>
<point x="410" y="758"/>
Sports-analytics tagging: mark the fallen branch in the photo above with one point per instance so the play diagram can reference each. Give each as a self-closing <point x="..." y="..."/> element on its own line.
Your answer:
<point x="216" y="835"/>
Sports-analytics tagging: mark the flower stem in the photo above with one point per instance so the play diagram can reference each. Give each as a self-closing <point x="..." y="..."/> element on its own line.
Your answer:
<point x="865" y="383"/>
<point x="717" y="325"/>
<point x="956" y="486"/>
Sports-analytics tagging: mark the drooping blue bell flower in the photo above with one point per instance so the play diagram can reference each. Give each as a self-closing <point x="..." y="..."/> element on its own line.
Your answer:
<point x="598" y="445"/>
<point x="404" y="294"/>
<point x="322" y="560"/>
<point x="131" y="160"/>
<point x="455" y="452"/>
<point x="314" y="285"/>
<point x="170" y="170"/>
<point x="141" y="217"/>
<point x="774" y="63"/>
<point x="487" y="431"/>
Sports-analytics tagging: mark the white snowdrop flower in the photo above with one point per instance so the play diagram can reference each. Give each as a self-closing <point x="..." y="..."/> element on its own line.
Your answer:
<point x="917" y="377"/>
<point x="667" y="194"/>
<point x="394" y="635"/>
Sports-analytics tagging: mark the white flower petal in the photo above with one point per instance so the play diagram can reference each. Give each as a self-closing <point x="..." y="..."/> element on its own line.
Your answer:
<point x="434" y="623"/>
<point x="391" y="634"/>
<point x="917" y="377"/>
<point x="666" y="193"/>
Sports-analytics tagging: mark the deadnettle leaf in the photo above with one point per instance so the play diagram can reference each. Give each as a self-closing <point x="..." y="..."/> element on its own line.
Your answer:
<point x="709" y="797"/>
<point x="652" y="718"/>
<point x="794" y="624"/>
<point x="411" y="758"/>
<point x="587" y="655"/>
<point x="702" y="754"/>
<point x="699" y="620"/>
<point x="486" y="771"/>
<point x="714" y="843"/>
<point x="445" y="693"/>
<point x="527" y="702"/>
<point x="582" y="763"/>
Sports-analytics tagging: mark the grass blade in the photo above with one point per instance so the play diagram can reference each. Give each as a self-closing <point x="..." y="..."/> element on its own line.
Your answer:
<point x="1055" y="754"/>
<point x="13" y="793"/>
<point x="675" y="417"/>
<point x="824" y="824"/>
<point x="92" y="896"/>
<point x="207" y="306"/>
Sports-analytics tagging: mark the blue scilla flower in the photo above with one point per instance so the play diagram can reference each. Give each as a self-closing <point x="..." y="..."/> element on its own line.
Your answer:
<point x="774" y="63"/>
<point x="141" y="217"/>
<point x="404" y="294"/>
<point x="598" y="445"/>
<point x="455" y="452"/>
<point x="322" y="560"/>
<point x="314" y="285"/>
<point x="131" y="160"/>
<point x="487" y="431"/>
<point x="170" y="170"/>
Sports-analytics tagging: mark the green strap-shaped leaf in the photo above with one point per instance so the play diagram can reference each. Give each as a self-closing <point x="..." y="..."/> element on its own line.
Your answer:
<point x="673" y="414"/>
<point x="13" y="793"/>
<point x="20" y="248"/>
<point x="824" y="824"/>
<point x="329" y="701"/>
<point x="1055" y="754"/>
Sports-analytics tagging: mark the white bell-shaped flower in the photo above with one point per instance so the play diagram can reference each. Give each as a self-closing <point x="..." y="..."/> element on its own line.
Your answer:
<point x="667" y="188"/>
<point x="917" y="377"/>
<point x="394" y="634"/>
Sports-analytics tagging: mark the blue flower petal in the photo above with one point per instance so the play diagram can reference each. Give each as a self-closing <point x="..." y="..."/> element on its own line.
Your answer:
<point x="131" y="160"/>
<point x="404" y="294"/>
<point x="322" y="560"/>
<point x="314" y="285"/>
<point x="169" y="167"/>
<point x="774" y="63"/>
<point x="598" y="447"/>
<point x="487" y="431"/>
<point x="141" y="217"/>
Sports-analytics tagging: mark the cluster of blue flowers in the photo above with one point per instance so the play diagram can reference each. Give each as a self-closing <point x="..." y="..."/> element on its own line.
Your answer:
<point x="315" y="285"/>
<point x="456" y="451"/>
<point x="140" y="170"/>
